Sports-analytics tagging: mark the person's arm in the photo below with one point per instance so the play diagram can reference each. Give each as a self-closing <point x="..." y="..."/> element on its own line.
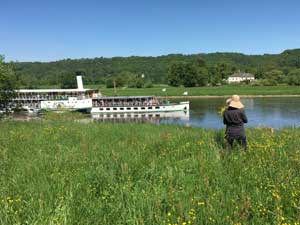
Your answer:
<point x="224" y="119"/>
<point x="244" y="117"/>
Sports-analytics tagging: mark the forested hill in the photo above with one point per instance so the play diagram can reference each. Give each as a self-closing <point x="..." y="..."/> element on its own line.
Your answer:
<point x="97" y="70"/>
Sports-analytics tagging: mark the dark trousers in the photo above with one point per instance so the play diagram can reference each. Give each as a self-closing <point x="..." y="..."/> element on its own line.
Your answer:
<point x="240" y="139"/>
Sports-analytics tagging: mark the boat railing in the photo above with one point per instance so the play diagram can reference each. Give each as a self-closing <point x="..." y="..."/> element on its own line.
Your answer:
<point x="47" y="98"/>
<point x="131" y="104"/>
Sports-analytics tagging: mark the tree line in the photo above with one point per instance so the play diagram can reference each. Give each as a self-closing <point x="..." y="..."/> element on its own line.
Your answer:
<point x="173" y="69"/>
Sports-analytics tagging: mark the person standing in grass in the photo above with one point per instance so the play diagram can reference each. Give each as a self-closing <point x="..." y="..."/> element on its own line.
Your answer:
<point x="234" y="118"/>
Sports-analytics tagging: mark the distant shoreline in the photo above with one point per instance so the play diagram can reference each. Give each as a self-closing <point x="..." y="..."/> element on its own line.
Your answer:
<point x="226" y="96"/>
<point x="210" y="92"/>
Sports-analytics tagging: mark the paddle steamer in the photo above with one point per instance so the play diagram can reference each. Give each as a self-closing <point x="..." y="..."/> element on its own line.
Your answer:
<point x="89" y="100"/>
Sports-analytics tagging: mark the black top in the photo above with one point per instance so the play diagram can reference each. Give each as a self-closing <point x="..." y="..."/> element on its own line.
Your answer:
<point x="234" y="117"/>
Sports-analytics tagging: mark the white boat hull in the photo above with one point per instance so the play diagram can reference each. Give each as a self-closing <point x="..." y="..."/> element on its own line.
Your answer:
<point x="70" y="104"/>
<point x="183" y="115"/>
<point x="182" y="106"/>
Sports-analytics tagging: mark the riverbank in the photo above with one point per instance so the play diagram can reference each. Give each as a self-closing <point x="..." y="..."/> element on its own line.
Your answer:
<point x="222" y="96"/>
<point x="226" y="90"/>
<point x="64" y="172"/>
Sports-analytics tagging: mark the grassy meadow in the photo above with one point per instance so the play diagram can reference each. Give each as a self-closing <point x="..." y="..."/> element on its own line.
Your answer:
<point x="64" y="172"/>
<point x="225" y="90"/>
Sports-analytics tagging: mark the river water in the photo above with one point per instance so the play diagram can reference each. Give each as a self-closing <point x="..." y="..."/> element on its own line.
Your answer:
<point x="276" y="112"/>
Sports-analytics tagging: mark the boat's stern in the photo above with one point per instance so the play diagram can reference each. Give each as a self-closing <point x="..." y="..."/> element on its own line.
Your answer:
<point x="185" y="105"/>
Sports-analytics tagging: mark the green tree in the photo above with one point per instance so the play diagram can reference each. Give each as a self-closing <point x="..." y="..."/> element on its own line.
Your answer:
<point x="68" y="81"/>
<point x="110" y="83"/>
<point x="294" y="77"/>
<point x="124" y="77"/>
<point x="217" y="73"/>
<point x="200" y="62"/>
<point x="276" y="75"/>
<point x="223" y="70"/>
<point x="259" y="74"/>
<point x="290" y="58"/>
<point x="149" y="84"/>
<point x="136" y="81"/>
<point x="268" y="82"/>
<point x="120" y="81"/>
<point x="175" y="74"/>
<point x="8" y="83"/>
<point x="190" y="75"/>
<point x="139" y="82"/>
<point x="202" y="76"/>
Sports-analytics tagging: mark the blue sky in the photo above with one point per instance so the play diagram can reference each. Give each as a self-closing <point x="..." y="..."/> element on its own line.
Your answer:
<point x="51" y="30"/>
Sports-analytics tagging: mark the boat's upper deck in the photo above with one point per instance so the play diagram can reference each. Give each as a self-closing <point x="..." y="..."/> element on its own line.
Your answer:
<point x="124" y="101"/>
<point x="52" y="94"/>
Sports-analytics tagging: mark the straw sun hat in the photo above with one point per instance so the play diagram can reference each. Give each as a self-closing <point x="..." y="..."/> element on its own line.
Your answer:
<point x="234" y="101"/>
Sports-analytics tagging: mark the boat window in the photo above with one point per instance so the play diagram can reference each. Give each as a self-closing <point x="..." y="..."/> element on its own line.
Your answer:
<point x="157" y="107"/>
<point x="128" y="108"/>
<point x="149" y="107"/>
<point x="142" y="107"/>
<point x="121" y="108"/>
<point x="135" y="108"/>
<point x="107" y="108"/>
<point x="101" y="109"/>
<point x="115" y="109"/>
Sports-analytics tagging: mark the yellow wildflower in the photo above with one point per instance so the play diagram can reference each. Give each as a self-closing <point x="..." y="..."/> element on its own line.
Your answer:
<point x="201" y="203"/>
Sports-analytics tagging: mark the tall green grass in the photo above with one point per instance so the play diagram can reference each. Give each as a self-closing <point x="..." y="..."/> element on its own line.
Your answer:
<point x="64" y="172"/>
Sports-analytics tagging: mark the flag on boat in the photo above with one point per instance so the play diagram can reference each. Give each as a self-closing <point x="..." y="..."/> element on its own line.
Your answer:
<point x="163" y="89"/>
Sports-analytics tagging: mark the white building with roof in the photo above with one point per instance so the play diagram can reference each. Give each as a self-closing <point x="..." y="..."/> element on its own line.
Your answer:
<point x="241" y="76"/>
